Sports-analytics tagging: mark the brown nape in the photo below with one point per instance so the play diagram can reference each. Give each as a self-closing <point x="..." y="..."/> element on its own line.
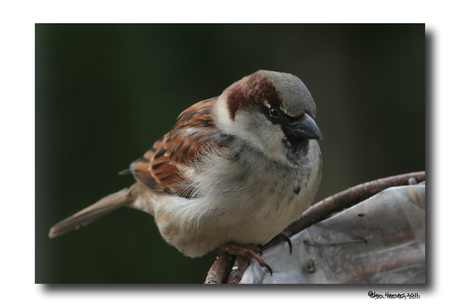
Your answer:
<point x="251" y="91"/>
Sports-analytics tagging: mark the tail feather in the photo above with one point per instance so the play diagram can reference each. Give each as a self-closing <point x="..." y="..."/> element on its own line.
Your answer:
<point x="93" y="212"/>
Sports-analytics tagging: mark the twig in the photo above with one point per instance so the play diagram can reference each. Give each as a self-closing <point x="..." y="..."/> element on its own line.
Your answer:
<point x="342" y="200"/>
<point x="316" y="213"/>
<point x="219" y="271"/>
<point x="238" y="269"/>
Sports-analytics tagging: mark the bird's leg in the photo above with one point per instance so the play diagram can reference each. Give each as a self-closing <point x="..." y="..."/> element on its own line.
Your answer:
<point x="285" y="238"/>
<point x="245" y="250"/>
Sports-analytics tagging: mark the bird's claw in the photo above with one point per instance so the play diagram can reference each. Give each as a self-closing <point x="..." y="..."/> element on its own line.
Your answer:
<point x="246" y="250"/>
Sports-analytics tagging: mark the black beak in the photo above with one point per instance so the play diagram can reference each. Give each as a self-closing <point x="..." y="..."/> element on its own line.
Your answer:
<point x="305" y="128"/>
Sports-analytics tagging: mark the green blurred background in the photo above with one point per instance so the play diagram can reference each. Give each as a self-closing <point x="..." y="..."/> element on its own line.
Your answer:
<point x="105" y="93"/>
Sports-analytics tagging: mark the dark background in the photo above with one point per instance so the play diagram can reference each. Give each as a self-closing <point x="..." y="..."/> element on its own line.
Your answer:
<point x="105" y="93"/>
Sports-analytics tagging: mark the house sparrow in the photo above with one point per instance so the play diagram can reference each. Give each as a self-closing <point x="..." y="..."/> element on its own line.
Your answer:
<point x="233" y="172"/>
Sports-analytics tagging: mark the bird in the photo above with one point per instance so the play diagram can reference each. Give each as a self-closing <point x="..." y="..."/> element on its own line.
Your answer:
<point x="232" y="173"/>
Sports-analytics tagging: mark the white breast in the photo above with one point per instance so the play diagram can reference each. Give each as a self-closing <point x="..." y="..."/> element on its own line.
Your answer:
<point x="247" y="199"/>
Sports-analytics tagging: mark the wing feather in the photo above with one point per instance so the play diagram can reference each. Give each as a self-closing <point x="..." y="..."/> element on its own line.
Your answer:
<point x="162" y="168"/>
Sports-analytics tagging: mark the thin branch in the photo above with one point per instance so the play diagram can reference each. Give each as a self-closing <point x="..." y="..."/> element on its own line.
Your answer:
<point x="219" y="271"/>
<point x="316" y="213"/>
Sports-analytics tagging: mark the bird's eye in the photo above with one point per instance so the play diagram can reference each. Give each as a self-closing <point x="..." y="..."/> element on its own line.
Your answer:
<point x="274" y="112"/>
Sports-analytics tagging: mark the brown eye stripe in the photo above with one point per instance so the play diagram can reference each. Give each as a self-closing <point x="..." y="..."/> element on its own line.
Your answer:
<point x="253" y="90"/>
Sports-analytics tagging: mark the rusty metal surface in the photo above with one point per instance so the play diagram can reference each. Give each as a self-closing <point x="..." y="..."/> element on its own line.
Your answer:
<point x="378" y="241"/>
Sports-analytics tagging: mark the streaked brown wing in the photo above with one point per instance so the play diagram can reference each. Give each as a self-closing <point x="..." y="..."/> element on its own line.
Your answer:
<point x="162" y="166"/>
<point x="141" y="169"/>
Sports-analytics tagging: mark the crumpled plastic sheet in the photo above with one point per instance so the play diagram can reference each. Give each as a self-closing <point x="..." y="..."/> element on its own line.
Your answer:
<point x="378" y="241"/>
